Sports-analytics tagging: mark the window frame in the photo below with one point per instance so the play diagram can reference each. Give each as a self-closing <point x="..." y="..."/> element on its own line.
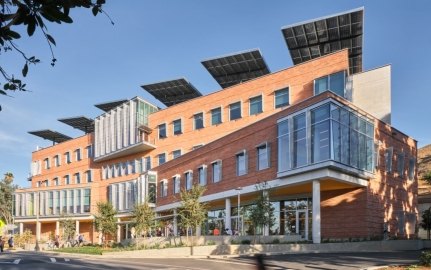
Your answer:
<point x="181" y="126"/>
<point x="244" y="153"/>
<point x="268" y="156"/>
<point x="230" y="110"/>
<point x="288" y="97"/>
<point x="212" y="116"/>
<point x="177" y="183"/>
<point x="177" y="150"/>
<point x="159" y="156"/>
<point x="160" y="136"/>
<point x="195" y="119"/>
<point x="204" y="174"/>
<point x="220" y="170"/>
<point x="188" y="179"/>
<point x="250" y="104"/>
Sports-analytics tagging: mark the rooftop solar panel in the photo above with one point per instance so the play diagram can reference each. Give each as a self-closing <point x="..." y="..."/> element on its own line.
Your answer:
<point x="107" y="106"/>
<point x="80" y="122"/>
<point x="318" y="37"/>
<point x="53" y="136"/>
<point x="237" y="68"/>
<point x="172" y="92"/>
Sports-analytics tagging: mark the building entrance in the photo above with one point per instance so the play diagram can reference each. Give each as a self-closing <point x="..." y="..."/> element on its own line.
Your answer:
<point x="297" y="218"/>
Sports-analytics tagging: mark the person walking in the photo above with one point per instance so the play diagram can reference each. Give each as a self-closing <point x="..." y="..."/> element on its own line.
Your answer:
<point x="10" y="242"/>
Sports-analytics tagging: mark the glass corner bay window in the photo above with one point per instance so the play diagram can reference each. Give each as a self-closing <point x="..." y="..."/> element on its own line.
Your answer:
<point x="334" y="133"/>
<point x="334" y="82"/>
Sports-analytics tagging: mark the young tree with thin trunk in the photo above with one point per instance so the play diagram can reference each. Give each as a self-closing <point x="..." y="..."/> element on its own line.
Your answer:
<point x="105" y="220"/>
<point x="262" y="212"/>
<point x="68" y="225"/>
<point x="143" y="219"/>
<point x="7" y="189"/>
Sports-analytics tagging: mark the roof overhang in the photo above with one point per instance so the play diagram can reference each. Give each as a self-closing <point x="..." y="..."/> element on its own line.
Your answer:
<point x="79" y="122"/>
<point x="107" y="106"/>
<point x="54" y="136"/>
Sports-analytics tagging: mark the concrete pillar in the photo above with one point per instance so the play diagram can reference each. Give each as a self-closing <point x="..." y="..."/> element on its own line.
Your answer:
<point x="57" y="228"/>
<point x="198" y="231"/>
<point x="316" y="212"/>
<point x="118" y="231"/>
<point x="38" y="230"/>
<point x="175" y="223"/>
<point x="77" y="227"/>
<point x="227" y="222"/>
<point x="127" y="231"/>
<point x="21" y="228"/>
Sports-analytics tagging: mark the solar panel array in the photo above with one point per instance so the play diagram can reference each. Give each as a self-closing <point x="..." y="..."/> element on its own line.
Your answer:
<point x="107" y="106"/>
<point x="80" y="122"/>
<point x="172" y="92"/>
<point x="236" y="68"/>
<point x="54" y="136"/>
<point x="319" y="37"/>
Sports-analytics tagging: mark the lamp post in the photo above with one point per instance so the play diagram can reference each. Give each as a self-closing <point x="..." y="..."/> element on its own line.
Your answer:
<point x="238" y="209"/>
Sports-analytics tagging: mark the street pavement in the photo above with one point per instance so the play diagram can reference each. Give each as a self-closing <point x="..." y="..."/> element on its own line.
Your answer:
<point x="324" y="261"/>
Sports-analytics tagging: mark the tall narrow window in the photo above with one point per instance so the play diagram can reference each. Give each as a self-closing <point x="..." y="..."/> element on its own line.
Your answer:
<point x="57" y="160"/>
<point x="256" y="105"/>
<point x="198" y="120"/>
<point x="46" y="162"/>
<point x="412" y="165"/>
<point x="281" y="97"/>
<point x="299" y="141"/>
<point x="320" y="148"/>
<point x="87" y="200"/>
<point x="147" y="163"/>
<point x="241" y="163"/>
<point x="177" y="184"/>
<point x="67" y="157"/>
<point x="388" y="159"/>
<point x="216" y="171"/>
<point x="334" y="82"/>
<point x="67" y="180"/>
<point x="400" y="165"/>
<point x="88" y="176"/>
<point x="163" y="188"/>
<point x="176" y="153"/>
<point x="89" y="150"/>
<point x="283" y="146"/>
<point x="262" y="156"/>
<point x="162" y="131"/>
<point x="202" y="175"/>
<point x="162" y="158"/>
<point x="78" y="154"/>
<point x="55" y="181"/>
<point x="235" y="111"/>
<point x="77" y="178"/>
<point x="177" y="127"/>
<point x="216" y="116"/>
<point x="189" y="180"/>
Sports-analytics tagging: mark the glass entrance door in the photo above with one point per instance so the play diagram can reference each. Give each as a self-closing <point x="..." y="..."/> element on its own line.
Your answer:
<point x="302" y="223"/>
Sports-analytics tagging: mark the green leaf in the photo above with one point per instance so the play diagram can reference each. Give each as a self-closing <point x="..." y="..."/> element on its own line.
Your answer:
<point x="3" y="92"/>
<point x="31" y="27"/>
<point x="6" y="86"/>
<point x="25" y="70"/>
<point x="51" y="39"/>
<point x="12" y="34"/>
<point x="95" y="10"/>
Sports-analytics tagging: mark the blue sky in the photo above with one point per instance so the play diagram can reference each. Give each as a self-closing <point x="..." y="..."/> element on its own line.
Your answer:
<point x="154" y="41"/>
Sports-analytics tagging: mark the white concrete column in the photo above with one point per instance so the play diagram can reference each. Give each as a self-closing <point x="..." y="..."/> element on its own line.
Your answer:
<point x="175" y="223"/>
<point x="77" y="227"/>
<point x="57" y="228"/>
<point x="316" y="212"/>
<point x="21" y="228"/>
<point x="227" y="222"/>
<point x="38" y="230"/>
<point x="118" y="231"/>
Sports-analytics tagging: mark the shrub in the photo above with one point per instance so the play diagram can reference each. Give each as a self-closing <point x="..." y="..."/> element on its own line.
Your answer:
<point x="245" y="242"/>
<point x="82" y="250"/>
<point x="425" y="258"/>
<point x="276" y="241"/>
<point x="210" y="243"/>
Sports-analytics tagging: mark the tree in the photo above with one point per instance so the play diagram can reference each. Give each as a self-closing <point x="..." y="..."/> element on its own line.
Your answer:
<point x="33" y="15"/>
<point x="192" y="212"/>
<point x="68" y="225"/>
<point x="105" y="219"/>
<point x="426" y="222"/>
<point x="7" y="189"/>
<point x="427" y="177"/>
<point x="262" y="212"/>
<point x="143" y="218"/>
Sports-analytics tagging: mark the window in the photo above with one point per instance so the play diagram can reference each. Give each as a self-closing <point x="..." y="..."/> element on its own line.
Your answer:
<point x="388" y="159"/>
<point x="235" y="110"/>
<point x="334" y="82"/>
<point x="163" y="188"/>
<point x="77" y="177"/>
<point x="216" y="116"/>
<point x="400" y="165"/>
<point x="376" y="155"/>
<point x="202" y="175"/>
<point x="177" y="184"/>
<point x="55" y="181"/>
<point x="412" y="164"/>
<point x="189" y="180"/>
<point x="256" y="105"/>
<point x="241" y="163"/>
<point x="46" y="162"/>
<point x="67" y="180"/>
<point x="87" y="200"/>
<point x="38" y="184"/>
<point x="46" y="182"/>
<point x="281" y="97"/>
<point x="88" y="176"/>
<point x="176" y="153"/>
<point x="89" y="150"/>
<point x="67" y="157"/>
<point x="162" y="131"/>
<point x="57" y="160"/>
<point x="198" y="120"/>
<point x="299" y="141"/>
<point x="78" y="154"/>
<point x="283" y="146"/>
<point x="162" y="158"/>
<point x="216" y="171"/>
<point x="177" y="127"/>
<point x="320" y="148"/>
<point x="262" y="156"/>
<point x="147" y="163"/>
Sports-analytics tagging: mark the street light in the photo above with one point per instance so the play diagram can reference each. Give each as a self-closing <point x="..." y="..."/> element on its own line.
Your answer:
<point x="238" y="209"/>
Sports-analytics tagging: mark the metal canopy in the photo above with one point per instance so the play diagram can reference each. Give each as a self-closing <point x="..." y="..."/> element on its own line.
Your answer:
<point x="172" y="92"/>
<point x="110" y="105"/>
<point x="80" y="122"/>
<point x="53" y="136"/>
<point x="315" y="38"/>
<point x="236" y="68"/>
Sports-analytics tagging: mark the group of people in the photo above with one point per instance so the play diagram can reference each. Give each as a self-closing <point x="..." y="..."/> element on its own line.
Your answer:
<point x="9" y="242"/>
<point x="227" y="231"/>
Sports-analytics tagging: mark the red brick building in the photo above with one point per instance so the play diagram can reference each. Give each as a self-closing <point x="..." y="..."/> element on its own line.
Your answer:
<point x="318" y="134"/>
